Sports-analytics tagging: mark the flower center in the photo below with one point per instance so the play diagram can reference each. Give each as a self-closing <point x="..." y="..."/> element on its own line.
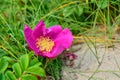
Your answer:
<point x="45" y="44"/>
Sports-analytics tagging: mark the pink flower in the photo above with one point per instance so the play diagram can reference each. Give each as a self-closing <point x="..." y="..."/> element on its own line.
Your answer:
<point x="48" y="42"/>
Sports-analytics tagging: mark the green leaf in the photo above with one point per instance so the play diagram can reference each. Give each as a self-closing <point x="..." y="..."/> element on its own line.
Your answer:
<point x="17" y="69"/>
<point x="9" y="59"/>
<point x="93" y="1"/>
<point x="35" y="62"/>
<point x="3" y="65"/>
<point x="24" y="61"/>
<point x="102" y="4"/>
<point x="29" y="77"/>
<point x="68" y="11"/>
<point x="2" y="53"/>
<point x="36" y="70"/>
<point x="117" y="21"/>
<point x="10" y="75"/>
<point x="79" y="10"/>
<point x="2" y="77"/>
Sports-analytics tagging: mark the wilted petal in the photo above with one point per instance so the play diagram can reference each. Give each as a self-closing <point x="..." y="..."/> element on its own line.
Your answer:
<point x="39" y="29"/>
<point x="54" y="31"/>
<point x="29" y="39"/>
<point x="65" y="38"/>
<point x="71" y="55"/>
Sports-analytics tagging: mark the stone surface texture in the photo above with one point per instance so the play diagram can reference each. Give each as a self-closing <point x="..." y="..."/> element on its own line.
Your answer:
<point x="93" y="62"/>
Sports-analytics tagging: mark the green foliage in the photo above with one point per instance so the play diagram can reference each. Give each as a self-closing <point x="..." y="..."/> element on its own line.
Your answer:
<point x="17" y="69"/>
<point x="117" y="20"/>
<point x="2" y="53"/>
<point x="23" y="71"/>
<point x="29" y="77"/>
<point x="68" y="11"/>
<point x="10" y="76"/>
<point x="102" y="4"/>
<point x="24" y="61"/>
<point x="3" y="65"/>
<point x="54" y="68"/>
<point x="80" y="16"/>
<point x="76" y="10"/>
<point x="35" y="62"/>
<point x="36" y="70"/>
<point x="2" y="77"/>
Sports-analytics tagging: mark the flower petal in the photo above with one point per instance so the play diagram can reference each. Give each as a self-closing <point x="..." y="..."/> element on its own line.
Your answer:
<point x="63" y="41"/>
<point x="54" y="31"/>
<point x="57" y="50"/>
<point x="65" y="38"/>
<point x="39" y="29"/>
<point x="29" y="39"/>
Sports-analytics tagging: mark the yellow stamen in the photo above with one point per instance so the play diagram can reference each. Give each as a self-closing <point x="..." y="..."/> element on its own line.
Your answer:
<point x="45" y="44"/>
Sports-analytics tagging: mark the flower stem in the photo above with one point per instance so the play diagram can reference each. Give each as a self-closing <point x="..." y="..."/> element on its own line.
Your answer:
<point x="47" y="60"/>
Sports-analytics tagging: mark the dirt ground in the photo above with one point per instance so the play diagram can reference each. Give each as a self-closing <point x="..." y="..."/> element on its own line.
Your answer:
<point x="93" y="62"/>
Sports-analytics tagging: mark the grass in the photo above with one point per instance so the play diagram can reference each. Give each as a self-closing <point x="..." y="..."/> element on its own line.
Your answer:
<point x="96" y="18"/>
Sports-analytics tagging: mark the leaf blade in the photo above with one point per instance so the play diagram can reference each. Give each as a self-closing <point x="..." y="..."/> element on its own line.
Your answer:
<point x="3" y="65"/>
<point x="29" y="77"/>
<point x="36" y="70"/>
<point x="17" y="69"/>
<point x="24" y="61"/>
<point x="10" y="75"/>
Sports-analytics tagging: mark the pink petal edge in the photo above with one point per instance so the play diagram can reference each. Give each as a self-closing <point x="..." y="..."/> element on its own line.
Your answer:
<point x="65" y="38"/>
<point x="54" y="31"/>
<point x="29" y="39"/>
<point x="39" y="29"/>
